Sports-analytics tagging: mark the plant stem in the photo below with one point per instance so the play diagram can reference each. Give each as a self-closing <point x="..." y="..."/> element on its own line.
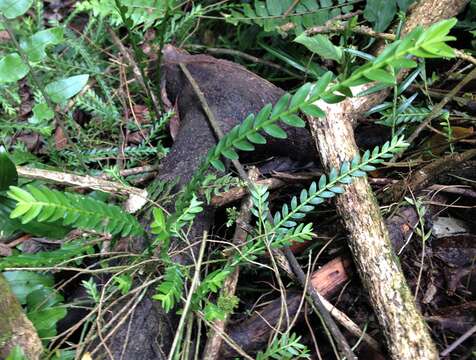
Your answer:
<point x="188" y="303"/>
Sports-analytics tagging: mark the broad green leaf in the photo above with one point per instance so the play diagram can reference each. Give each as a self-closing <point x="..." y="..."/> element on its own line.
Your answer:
<point x="321" y="85"/>
<point x="440" y="49"/>
<point x="256" y="138"/>
<point x="437" y="32"/>
<point x="35" y="45"/>
<point x="64" y="89"/>
<point x="380" y="13"/>
<point x="14" y="8"/>
<point x="313" y="110"/>
<point x="23" y="283"/>
<point x="244" y="145"/>
<point x="41" y="112"/>
<point x="8" y="171"/>
<point x="45" y="320"/>
<point x="321" y="45"/>
<point x="403" y="63"/>
<point x="12" y="68"/>
<point x="293" y="120"/>
<point x="275" y="131"/>
<point x="218" y="164"/>
<point x="274" y="7"/>
<point x="43" y="298"/>
<point x="230" y="154"/>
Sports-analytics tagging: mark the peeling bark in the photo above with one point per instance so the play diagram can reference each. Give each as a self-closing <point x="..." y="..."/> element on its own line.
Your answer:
<point x="15" y="328"/>
<point x="405" y="331"/>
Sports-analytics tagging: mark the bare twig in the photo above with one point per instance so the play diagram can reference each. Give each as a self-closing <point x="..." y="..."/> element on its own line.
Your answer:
<point x="458" y="342"/>
<point x="214" y="340"/>
<point x="137" y="72"/>
<point x="437" y="108"/>
<point x="193" y="286"/>
<point x="422" y="177"/>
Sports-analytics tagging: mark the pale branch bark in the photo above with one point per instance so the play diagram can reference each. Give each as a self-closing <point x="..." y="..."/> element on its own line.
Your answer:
<point x="15" y="328"/>
<point x="405" y="331"/>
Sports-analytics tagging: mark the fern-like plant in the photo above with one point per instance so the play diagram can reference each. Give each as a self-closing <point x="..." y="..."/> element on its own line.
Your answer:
<point x="286" y="346"/>
<point x="46" y="258"/>
<point x="45" y="205"/>
<point x="429" y="43"/>
<point x="284" y="227"/>
<point x="331" y="185"/>
<point x="272" y="15"/>
<point x="170" y="290"/>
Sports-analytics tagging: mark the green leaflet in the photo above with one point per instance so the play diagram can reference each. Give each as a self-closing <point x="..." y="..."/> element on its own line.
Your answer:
<point x="61" y="90"/>
<point x="424" y="43"/>
<point x="12" y="68"/>
<point x="35" y="46"/>
<point x="322" y="46"/>
<point x="331" y="185"/>
<point x="45" y="205"/>
<point x="46" y="258"/>
<point x="14" y="8"/>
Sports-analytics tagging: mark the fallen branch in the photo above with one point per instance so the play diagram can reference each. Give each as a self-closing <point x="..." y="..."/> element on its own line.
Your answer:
<point x="251" y="335"/>
<point x="404" y="329"/>
<point x="423" y="177"/>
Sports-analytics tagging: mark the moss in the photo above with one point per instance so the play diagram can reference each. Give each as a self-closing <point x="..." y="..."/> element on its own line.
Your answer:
<point x="10" y="310"/>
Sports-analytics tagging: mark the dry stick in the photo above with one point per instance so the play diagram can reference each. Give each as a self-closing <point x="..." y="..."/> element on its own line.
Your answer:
<point x="15" y="328"/>
<point x="437" y="109"/>
<point x="137" y="197"/>
<point x="281" y="180"/>
<point x="136" y="70"/>
<point x="350" y="325"/>
<point x="251" y="334"/>
<point x="422" y="177"/>
<point x="370" y="244"/>
<point x="188" y="303"/>
<point x="214" y="340"/>
<point x="459" y="341"/>
<point x="291" y="260"/>
<point x="290" y="26"/>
